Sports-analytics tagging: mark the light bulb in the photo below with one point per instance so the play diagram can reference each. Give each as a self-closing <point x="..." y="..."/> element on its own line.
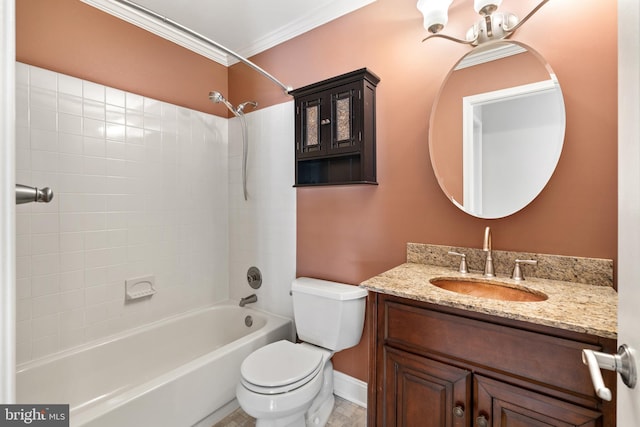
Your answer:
<point x="486" y="7"/>
<point x="435" y="13"/>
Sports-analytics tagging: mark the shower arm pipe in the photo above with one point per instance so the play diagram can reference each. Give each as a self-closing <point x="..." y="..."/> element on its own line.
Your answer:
<point x="204" y="39"/>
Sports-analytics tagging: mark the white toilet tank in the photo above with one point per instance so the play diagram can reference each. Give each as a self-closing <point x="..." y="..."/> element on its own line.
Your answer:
<point x="328" y="314"/>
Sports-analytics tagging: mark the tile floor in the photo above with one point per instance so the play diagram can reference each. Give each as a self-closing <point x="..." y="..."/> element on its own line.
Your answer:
<point x="345" y="414"/>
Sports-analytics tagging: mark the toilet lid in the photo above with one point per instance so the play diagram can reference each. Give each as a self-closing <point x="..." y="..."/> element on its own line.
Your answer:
<point x="280" y="366"/>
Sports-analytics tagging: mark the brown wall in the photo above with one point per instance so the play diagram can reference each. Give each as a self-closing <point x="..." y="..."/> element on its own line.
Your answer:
<point x="352" y="233"/>
<point x="70" y="37"/>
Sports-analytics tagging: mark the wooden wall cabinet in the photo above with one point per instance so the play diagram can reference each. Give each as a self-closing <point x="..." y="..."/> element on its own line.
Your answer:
<point x="433" y="366"/>
<point x="336" y="131"/>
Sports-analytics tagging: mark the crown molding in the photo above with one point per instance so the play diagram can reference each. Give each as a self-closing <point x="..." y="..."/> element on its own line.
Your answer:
<point x="160" y="29"/>
<point x="312" y="20"/>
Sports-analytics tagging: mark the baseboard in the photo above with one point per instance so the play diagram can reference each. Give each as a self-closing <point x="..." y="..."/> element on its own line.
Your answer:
<point x="350" y="388"/>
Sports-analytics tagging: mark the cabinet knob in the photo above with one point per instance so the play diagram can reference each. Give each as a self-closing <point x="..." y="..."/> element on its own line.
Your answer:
<point x="458" y="411"/>
<point x="481" y="421"/>
<point x="325" y="121"/>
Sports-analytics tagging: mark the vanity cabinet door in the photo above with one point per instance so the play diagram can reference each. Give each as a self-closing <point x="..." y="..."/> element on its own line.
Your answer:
<point x="503" y="405"/>
<point x="421" y="392"/>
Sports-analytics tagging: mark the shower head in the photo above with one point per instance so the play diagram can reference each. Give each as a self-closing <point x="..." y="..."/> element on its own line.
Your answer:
<point x="217" y="97"/>
<point x="241" y="107"/>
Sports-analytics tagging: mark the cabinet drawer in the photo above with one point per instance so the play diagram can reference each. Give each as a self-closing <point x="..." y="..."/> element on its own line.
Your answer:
<point x="552" y="361"/>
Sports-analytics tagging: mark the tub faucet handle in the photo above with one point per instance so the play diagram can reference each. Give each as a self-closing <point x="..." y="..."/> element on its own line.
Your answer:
<point x="254" y="277"/>
<point x="517" y="270"/>
<point x="463" y="261"/>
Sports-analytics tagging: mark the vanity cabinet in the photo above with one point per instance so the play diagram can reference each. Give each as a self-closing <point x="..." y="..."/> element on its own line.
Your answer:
<point x="440" y="366"/>
<point x="335" y="130"/>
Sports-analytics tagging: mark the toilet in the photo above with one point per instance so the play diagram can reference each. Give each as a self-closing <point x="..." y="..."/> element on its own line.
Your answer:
<point x="291" y="385"/>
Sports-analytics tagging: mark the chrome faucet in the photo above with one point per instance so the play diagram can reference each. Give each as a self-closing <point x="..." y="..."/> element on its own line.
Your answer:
<point x="248" y="300"/>
<point x="488" y="264"/>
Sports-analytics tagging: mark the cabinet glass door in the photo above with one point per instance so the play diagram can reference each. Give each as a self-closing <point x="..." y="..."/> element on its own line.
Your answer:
<point x="311" y="121"/>
<point x="342" y="104"/>
<point x="345" y="133"/>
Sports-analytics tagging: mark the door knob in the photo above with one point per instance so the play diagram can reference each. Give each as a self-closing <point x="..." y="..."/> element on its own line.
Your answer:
<point x="482" y="421"/>
<point x="623" y="363"/>
<point x="458" y="411"/>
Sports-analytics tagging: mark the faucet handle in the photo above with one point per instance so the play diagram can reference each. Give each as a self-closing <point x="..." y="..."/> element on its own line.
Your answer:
<point x="517" y="270"/>
<point x="463" y="261"/>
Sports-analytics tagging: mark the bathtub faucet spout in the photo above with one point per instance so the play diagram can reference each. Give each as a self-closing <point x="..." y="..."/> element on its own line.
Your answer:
<point x="248" y="300"/>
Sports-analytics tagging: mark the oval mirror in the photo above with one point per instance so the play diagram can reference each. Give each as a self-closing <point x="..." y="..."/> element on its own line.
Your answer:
<point x="497" y="129"/>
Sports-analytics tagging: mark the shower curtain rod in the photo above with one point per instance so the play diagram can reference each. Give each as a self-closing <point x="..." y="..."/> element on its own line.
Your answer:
<point x="204" y="39"/>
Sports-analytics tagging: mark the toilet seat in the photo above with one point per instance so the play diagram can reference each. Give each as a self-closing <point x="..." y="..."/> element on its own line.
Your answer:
<point x="280" y="367"/>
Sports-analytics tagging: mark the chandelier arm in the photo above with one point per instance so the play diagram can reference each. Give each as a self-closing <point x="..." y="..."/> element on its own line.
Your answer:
<point x="526" y="18"/>
<point x="444" y="36"/>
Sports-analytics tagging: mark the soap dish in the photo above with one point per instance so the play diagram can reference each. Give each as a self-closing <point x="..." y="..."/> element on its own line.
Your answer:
<point x="139" y="287"/>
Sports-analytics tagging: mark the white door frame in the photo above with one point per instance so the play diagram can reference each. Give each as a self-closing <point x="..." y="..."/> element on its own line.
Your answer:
<point x="7" y="202"/>
<point x="628" y="401"/>
<point x="472" y="136"/>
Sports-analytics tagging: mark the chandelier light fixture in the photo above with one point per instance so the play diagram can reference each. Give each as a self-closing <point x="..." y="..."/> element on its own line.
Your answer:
<point x="492" y="25"/>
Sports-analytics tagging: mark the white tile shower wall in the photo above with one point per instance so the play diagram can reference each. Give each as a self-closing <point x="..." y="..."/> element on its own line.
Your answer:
<point x="262" y="229"/>
<point x="141" y="187"/>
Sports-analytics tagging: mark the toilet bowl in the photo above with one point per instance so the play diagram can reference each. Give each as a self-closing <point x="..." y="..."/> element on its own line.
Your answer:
<point x="291" y="385"/>
<point x="282" y="381"/>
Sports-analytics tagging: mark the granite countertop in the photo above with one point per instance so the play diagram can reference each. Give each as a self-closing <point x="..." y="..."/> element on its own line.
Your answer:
<point x="571" y="306"/>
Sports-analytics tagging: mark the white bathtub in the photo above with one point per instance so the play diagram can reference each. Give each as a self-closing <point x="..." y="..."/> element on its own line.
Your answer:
<point x="172" y="373"/>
